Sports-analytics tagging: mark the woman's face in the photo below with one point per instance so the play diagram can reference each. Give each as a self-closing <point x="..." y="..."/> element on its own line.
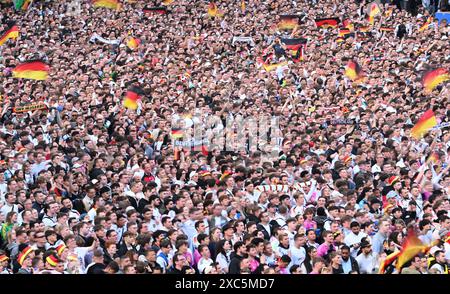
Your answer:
<point x="216" y="235"/>
<point x="227" y="245"/>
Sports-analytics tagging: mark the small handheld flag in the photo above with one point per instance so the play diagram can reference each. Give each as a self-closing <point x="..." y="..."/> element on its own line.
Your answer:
<point x="132" y="97"/>
<point x="425" y="123"/>
<point x="11" y="33"/>
<point x="433" y="78"/>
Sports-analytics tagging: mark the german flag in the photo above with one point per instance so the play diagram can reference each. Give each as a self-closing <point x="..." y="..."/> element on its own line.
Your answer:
<point x="354" y="71"/>
<point x="22" y="4"/>
<point x="340" y="39"/>
<point x="167" y="2"/>
<point x="371" y="19"/>
<point x="155" y="10"/>
<point x="11" y="33"/>
<point x="374" y="9"/>
<point x="213" y="11"/>
<point x="433" y="78"/>
<point x="389" y="259"/>
<point x="177" y="133"/>
<point x="295" y="47"/>
<point x="33" y="69"/>
<point x="112" y="4"/>
<point x="288" y="22"/>
<point x="243" y="6"/>
<point x="348" y="24"/>
<point x="270" y="67"/>
<point x="434" y="157"/>
<point x="133" y="43"/>
<point x="389" y="11"/>
<point x="426" y="24"/>
<point x="386" y="29"/>
<point x="176" y="154"/>
<point x="131" y="97"/>
<point x="410" y="248"/>
<point x="364" y="29"/>
<point x="225" y="175"/>
<point x="343" y="32"/>
<point x="330" y="22"/>
<point x="425" y="123"/>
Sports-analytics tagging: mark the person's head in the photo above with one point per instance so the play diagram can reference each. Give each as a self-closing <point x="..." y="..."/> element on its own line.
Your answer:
<point x="165" y="246"/>
<point x="240" y="248"/>
<point x="345" y="252"/>
<point x="129" y="270"/>
<point x="179" y="260"/>
<point x="355" y="227"/>
<point x="384" y="227"/>
<point x="264" y="217"/>
<point x="150" y="255"/>
<point x="366" y="247"/>
<point x="335" y="258"/>
<point x="328" y="237"/>
<point x="204" y="251"/>
<point x="439" y="255"/>
<point x="318" y="263"/>
<point x="311" y="235"/>
<point x="112" y="268"/>
<point x="111" y="247"/>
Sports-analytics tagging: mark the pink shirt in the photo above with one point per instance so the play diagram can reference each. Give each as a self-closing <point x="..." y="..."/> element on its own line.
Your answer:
<point x="309" y="224"/>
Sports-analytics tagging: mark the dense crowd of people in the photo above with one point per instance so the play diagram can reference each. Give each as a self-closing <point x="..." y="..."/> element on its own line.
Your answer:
<point x="88" y="186"/>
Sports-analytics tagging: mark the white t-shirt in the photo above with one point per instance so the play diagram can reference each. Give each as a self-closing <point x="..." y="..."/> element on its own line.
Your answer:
<point x="297" y="255"/>
<point x="367" y="263"/>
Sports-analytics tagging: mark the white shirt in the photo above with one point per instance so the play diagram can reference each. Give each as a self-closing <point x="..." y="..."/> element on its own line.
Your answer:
<point x="297" y="255"/>
<point x="367" y="263"/>
<point x="6" y="209"/>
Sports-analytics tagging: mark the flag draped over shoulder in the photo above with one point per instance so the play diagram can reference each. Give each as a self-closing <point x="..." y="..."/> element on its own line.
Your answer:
<point x="431" y="79"/>
<point x="33" y="69"/>
<point x="10" y="33"/>
<point x="425" y="123"/>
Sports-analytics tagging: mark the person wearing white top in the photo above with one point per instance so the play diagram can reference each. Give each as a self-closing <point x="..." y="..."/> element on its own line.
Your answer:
<point x="297" y="251"/>
<point x="353" y="239"/>
<point x="205" y="260"/>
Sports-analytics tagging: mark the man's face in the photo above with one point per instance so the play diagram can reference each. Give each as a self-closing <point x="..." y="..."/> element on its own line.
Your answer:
<point x="447" y="224"/>
<point x="329" y="238"/>
<point x="440" y="258"/>
<point x="311" y="236"/>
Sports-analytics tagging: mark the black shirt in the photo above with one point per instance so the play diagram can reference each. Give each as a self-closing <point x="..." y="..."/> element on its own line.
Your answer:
<point x="97" y="268"/>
